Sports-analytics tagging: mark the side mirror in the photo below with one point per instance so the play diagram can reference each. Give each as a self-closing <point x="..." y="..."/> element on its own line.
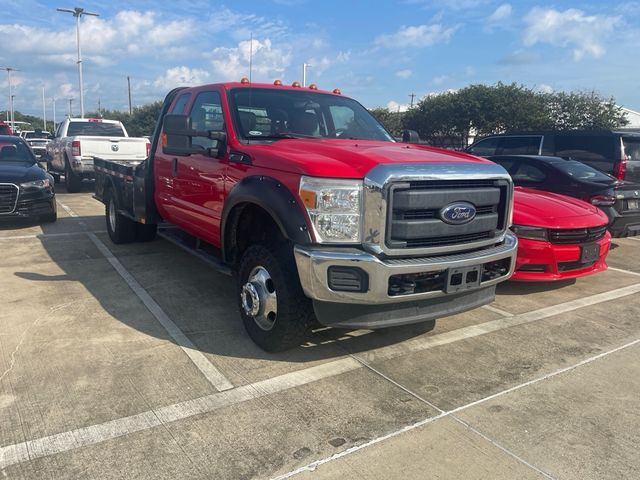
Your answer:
<point x="410" y="136"/>
<point x="180" y="135"/>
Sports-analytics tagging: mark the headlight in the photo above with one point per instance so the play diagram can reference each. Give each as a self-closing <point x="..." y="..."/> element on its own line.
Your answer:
<point x="46" y="183"/>
<point x="334" y="207"/>
<point x="532" y="233"/>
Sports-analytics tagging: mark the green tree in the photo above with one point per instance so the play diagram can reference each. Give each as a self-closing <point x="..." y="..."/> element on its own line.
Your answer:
<point x="392" y="121"/>
<point x="140" y="123"/>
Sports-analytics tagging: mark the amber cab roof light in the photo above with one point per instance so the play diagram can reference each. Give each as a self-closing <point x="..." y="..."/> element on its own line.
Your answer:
<point x="244" y="80"/>
<point x="278" y="83"/>
<point x="296" y="84"/>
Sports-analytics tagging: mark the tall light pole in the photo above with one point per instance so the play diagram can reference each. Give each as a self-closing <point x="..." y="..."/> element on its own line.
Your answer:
<point x="9" y="70"/>
<point x="70" y="107"/>
<point x="44" y="112"/>
<point x="304" y="73"/>
<point x="54" y="113"/>
<point x="78" y="12"/>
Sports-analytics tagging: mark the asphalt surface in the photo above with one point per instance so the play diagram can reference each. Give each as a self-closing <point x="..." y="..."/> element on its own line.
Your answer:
<point x="131" y="362"/>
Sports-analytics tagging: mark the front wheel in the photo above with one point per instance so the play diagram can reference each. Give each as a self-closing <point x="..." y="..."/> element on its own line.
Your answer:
<point x="120" y="228"/>
<point x="275" y="312"/>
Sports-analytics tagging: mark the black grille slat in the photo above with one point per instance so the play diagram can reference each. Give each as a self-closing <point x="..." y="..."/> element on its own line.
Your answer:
<point x="453" y="239"/>
<point x="8" y="197"/>
<point x="577" y="235"/>
<point x="430" y="184"/>
<point x="433" y="213"/>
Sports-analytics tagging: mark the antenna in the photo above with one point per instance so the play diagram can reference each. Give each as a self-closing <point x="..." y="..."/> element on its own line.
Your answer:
<point x="250" y="57"/>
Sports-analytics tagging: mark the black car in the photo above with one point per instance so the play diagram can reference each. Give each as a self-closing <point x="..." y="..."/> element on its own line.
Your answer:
<point x="26" y="190"/>
<point x="620" y="200"/>
<point x="614" y="152"/>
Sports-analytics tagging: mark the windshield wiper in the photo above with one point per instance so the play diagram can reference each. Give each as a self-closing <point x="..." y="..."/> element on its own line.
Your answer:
<point x="278" y="136"/>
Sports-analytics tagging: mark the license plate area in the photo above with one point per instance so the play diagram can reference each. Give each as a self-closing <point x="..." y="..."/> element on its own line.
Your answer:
<point x="590" y="253"/>
<point x="463" y="278"/>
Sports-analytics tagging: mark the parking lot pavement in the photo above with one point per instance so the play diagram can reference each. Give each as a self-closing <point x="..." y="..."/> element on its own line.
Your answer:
<point x="130" y="362"/>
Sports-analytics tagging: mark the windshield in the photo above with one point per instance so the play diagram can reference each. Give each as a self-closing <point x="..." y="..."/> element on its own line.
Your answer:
<point x="268" y="114"/>
<point x="580" y="171"/>
<point x="15" y="151"/>
<point x="632" y="148"/>
<point x="95" y="129"/>
<point x="32" y="135"/>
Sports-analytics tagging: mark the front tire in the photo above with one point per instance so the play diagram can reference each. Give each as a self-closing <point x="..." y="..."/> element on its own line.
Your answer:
<point x="275" y="312"/>
<point x="120" y="228"/>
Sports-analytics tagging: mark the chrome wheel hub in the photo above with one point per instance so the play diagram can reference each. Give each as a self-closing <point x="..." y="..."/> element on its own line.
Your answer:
<point x="259" y="299"/>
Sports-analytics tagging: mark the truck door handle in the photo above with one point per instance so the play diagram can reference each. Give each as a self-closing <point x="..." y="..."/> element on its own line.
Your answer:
<point x="174" y="167"/>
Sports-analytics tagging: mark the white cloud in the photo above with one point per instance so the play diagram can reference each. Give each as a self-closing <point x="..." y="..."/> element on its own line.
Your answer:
<point x="500" y="14"/>
<point x="416" y="36"/>
<point x="103" y="41"/>
<point x="585" y="34"/>
<point x="179" y="77"/>
<point x="544" y="88"/>
<point x="394" y="106"/>
<point x="268" y="62"/>
<point x="439" y="80"/>
<point x="406" y="73"/>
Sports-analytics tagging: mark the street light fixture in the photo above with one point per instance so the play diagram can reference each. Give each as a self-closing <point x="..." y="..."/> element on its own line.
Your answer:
<point x="304" y="73"/>
<point x="78" y="12"/>
<point x="9" y="70"/>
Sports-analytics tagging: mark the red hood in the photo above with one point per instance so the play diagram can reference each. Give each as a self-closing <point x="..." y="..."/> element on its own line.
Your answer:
<point x="351" y="158"/>
<point x="550" y="210"/>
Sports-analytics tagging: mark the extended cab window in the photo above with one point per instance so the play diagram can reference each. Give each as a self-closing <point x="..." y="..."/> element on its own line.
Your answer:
<point x="485" y="147"/>
<point x="631" y="148"/>
<point x="95" y="129"/>
<point x="181" y="103"/>
<point x="519" y="145"/>
<point x="206" y="114"/>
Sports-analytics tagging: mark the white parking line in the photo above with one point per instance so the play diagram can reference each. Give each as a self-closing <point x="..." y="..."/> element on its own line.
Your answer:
<point x="314" y="465"/>
<point x="423" y="343"/>
<point x="62" y="442"/>
<point x="212" y="374"/>
<point x="82" y="437"/>
<point x="499" y="311"/>
<point x="49" y="235"/>
<point x="622" y="270"/>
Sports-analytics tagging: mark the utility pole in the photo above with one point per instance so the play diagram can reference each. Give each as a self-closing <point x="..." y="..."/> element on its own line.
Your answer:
<point x="44" y="112"/>
<point x="54" y="112"/>
<point x="77" y="12"/>
<point x="129" y="87"/>
<point x="99" y="114"/>
<point x="412" y="95"/>
<point x="9" y="70"/>
<point x="70" y="107"/>
<point x="304" y="73"/>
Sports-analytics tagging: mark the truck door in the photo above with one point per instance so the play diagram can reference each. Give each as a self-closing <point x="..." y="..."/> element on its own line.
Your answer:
<point x="200" y="176"/>
<point x="165" y="172"/>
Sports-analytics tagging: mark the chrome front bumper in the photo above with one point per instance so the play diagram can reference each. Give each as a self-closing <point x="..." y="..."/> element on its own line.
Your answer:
<point x="313" y="264"/>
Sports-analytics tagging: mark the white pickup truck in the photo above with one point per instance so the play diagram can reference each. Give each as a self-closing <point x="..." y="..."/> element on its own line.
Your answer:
<point x="78" y="141"/>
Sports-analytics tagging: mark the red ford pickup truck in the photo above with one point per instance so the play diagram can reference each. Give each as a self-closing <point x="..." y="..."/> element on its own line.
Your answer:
<point x="320" y="216"/>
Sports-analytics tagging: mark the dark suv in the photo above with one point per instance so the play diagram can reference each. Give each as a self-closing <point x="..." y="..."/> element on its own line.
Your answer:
<point x="614" y="152"/>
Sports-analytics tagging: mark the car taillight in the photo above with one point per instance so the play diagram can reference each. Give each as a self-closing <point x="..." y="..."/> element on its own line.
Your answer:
<point x="75" y="148"/>
<point x="620" y="169"/>
<point x="602" y="200"/>
<point x="148" y="149"/>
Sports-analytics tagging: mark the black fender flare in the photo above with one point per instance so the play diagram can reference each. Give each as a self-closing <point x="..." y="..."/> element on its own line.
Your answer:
<point x="273" y="197"/>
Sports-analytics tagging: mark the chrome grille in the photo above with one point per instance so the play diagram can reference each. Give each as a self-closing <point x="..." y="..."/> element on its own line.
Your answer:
<point x="577" y="235"/>
<point x="8" y="198"/>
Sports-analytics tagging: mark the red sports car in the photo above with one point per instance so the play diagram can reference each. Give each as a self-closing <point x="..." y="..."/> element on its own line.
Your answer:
<point x="559" y="237"/>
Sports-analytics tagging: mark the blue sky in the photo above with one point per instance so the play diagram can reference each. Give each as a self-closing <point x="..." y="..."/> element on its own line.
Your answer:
<point x="377" y="52"/>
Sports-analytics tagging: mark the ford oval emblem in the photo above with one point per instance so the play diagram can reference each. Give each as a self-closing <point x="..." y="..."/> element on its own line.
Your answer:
<point x="458" y="213"/>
